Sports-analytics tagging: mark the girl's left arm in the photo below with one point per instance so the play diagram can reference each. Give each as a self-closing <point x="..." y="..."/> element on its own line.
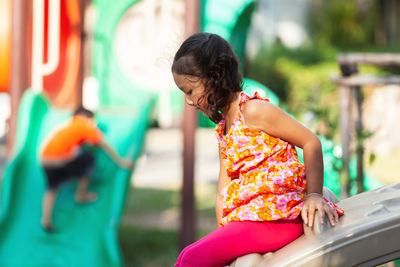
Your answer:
<point x="269" y="118"/>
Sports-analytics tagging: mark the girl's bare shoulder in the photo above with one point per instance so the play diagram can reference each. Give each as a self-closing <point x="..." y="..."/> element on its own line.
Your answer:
<point x="255" y="109"/>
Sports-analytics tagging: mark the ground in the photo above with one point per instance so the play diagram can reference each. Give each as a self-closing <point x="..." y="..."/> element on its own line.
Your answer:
<point x="159" y="169"/>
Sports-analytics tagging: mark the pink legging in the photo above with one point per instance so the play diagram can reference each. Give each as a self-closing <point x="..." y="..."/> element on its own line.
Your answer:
<point x="236" y="239"/>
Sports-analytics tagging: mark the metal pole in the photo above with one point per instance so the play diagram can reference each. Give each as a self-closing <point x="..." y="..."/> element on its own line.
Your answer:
<point x="188" y="227"/>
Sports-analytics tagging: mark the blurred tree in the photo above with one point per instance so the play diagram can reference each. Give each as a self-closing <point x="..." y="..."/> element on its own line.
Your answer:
<point x="388" y="27"/>
<point x="346" y="24"/>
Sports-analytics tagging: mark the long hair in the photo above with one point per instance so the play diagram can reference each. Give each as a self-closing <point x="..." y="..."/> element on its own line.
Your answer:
<point x="210" y="58"/>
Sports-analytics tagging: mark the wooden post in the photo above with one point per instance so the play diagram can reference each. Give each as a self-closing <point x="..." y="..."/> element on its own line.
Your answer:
<point x="345" y="108"/>
<point x="344" y="122"/>
<point x="188" y="221"/>
<point x="345" y="115"/>
<point x="360" y="140"/>
<point x="349" y="82"/>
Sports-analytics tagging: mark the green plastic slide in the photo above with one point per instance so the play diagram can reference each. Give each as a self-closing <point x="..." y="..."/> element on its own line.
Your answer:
<point x="87" y="233"/>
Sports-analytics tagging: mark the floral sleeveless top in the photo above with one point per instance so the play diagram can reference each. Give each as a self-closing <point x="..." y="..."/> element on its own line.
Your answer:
<point x="268" y="180"/>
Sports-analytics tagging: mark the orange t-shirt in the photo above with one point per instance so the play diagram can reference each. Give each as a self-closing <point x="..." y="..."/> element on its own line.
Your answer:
<point x="65" y="140"/>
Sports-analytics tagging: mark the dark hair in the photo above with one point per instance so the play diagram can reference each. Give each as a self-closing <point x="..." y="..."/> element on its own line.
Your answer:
<point x="210" y="58"/>
<point x="84" y="112"/>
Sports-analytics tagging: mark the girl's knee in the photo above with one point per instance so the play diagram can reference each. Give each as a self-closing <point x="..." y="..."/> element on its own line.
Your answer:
<point x="189" y="256"/>
<point x="184" y="258"/>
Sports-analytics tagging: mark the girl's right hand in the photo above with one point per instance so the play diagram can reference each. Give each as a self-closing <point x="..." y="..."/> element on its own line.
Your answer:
<point x="313" y="203"/>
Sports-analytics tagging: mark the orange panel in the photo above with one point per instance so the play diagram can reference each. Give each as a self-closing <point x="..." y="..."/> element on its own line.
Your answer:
<point x="61" y="85"/>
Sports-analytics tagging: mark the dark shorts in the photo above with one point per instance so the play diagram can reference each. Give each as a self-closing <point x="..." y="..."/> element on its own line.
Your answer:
<point x="81" y="166"/>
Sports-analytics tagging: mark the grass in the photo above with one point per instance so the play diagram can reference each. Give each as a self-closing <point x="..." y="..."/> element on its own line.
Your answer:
<point x="149" y="231"/>
<point x="148" y="247"/>
<point x="144" y="200"/>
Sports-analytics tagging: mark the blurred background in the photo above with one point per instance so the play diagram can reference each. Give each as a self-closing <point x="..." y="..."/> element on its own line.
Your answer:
<point x="114" y="57"/>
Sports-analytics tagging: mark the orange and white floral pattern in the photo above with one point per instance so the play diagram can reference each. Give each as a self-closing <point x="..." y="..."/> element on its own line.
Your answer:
<point x="268" y="180"/>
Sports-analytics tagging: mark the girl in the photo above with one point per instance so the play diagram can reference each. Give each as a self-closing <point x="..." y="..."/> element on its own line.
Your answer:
<point x="263" y="193"/>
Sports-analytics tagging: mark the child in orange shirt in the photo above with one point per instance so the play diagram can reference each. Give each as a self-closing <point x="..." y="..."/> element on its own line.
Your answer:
<point x="62" y="159"/>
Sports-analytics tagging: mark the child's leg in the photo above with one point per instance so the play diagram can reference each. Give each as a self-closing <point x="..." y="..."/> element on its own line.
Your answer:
<point x="49" y="199"/>
<point x="83" y="167"/>
<point x="225" y="244"/>
<point x="82" y="194"/>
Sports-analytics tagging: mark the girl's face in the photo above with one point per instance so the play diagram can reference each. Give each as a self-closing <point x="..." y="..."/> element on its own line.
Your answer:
<point x="193" y="88"/>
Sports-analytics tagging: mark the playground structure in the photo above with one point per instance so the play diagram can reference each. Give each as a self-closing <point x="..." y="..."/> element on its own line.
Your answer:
<point x="367" y="235"/>
<point x="350" y="91"/>
<point x="5" y="45"/>
<point x="88" y="233"/>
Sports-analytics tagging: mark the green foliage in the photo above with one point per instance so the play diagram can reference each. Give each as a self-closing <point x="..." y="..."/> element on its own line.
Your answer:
<point x="313" y="91"/>
<point x="347" y="24"/>
<point x="301" y="78"/>
<point x="266" y="66"/>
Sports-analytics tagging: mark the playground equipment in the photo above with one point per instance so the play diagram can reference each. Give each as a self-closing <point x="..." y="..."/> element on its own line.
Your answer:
<point x="367" y="235"/>
<point x="5" y="44"/>
<point x="87" y="233"/>
<point x="230" y="20"/>
<point x="57" y="51"/>
<point x="350" y="83"/>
